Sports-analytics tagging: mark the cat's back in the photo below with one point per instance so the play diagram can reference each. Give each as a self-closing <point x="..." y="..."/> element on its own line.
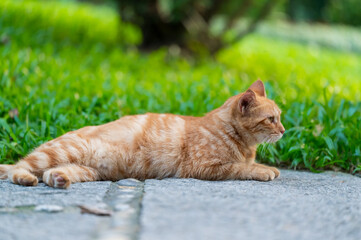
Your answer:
<point x="149" y="129"/>
<point x="160" y="129"/>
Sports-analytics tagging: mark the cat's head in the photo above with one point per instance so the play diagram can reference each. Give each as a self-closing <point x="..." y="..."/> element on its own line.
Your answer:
<point x="258" y="115"/>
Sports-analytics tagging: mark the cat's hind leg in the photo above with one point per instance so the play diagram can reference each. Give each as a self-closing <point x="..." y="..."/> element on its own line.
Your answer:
<point x="63" y="176"/>
<point x="66" y="149"/>
<point x="4" y="169"/>
<point x="27" y="171"/>
<point x="20" y="174"/>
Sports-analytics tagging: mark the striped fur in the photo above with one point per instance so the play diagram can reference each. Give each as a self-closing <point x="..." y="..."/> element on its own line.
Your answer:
<point x="220" y="145"/>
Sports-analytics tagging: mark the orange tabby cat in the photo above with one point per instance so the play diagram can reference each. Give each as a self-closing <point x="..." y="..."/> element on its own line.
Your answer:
<point x="220" y="145"/>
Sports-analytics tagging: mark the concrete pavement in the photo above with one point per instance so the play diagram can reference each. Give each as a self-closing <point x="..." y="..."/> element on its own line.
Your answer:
<point x="298" y="205"/>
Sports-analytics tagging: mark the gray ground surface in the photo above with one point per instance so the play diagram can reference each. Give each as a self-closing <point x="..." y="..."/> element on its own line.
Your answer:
<point x="25" y="212"/>
<point x="298" y="205"/>
<point x="85" y="193"/>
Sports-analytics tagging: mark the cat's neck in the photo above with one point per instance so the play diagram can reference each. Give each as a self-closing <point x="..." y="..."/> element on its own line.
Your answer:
<point x="223" y="119"/>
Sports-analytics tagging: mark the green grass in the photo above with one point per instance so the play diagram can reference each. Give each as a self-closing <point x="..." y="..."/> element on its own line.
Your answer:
<point x="77" y="67"/>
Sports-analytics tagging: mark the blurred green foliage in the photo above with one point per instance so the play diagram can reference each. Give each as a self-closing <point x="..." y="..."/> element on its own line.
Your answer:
<point x="40" y="21"/>
<point x="331" y="11"/>
<point x="344" y="11"/>
<point x="57" y="76"/>
<point x="191" y="24"/>
<point x="341" y="38"/>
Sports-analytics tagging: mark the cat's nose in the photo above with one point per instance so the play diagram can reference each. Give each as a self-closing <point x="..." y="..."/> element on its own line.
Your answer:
<point x="282" y="131"/>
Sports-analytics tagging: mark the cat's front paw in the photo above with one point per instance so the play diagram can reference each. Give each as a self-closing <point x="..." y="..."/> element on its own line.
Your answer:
<point x="264" y="173"/>
<point x="275" y="170"/>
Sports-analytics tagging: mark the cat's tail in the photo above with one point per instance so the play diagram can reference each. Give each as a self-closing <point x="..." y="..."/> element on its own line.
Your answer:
<point x="4" y="169"/>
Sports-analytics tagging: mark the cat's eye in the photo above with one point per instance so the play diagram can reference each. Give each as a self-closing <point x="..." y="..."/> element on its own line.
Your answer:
<point x="271" y="119"/>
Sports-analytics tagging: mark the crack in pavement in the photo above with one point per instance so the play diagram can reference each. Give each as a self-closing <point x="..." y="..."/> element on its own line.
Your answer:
<point x="125" y="198"/>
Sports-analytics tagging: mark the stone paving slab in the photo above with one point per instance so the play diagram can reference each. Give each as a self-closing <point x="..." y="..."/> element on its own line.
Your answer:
<point x="298" y="205"/>
<point x="79" y="193"/>
<point x="54" y="226"/>
<point x="28" y="212"/>
<point x="19" y="220"/>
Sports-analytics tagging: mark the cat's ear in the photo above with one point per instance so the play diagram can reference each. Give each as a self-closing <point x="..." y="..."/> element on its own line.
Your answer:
<point x="258" y="88"/>
<point x="246" y="100"/>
